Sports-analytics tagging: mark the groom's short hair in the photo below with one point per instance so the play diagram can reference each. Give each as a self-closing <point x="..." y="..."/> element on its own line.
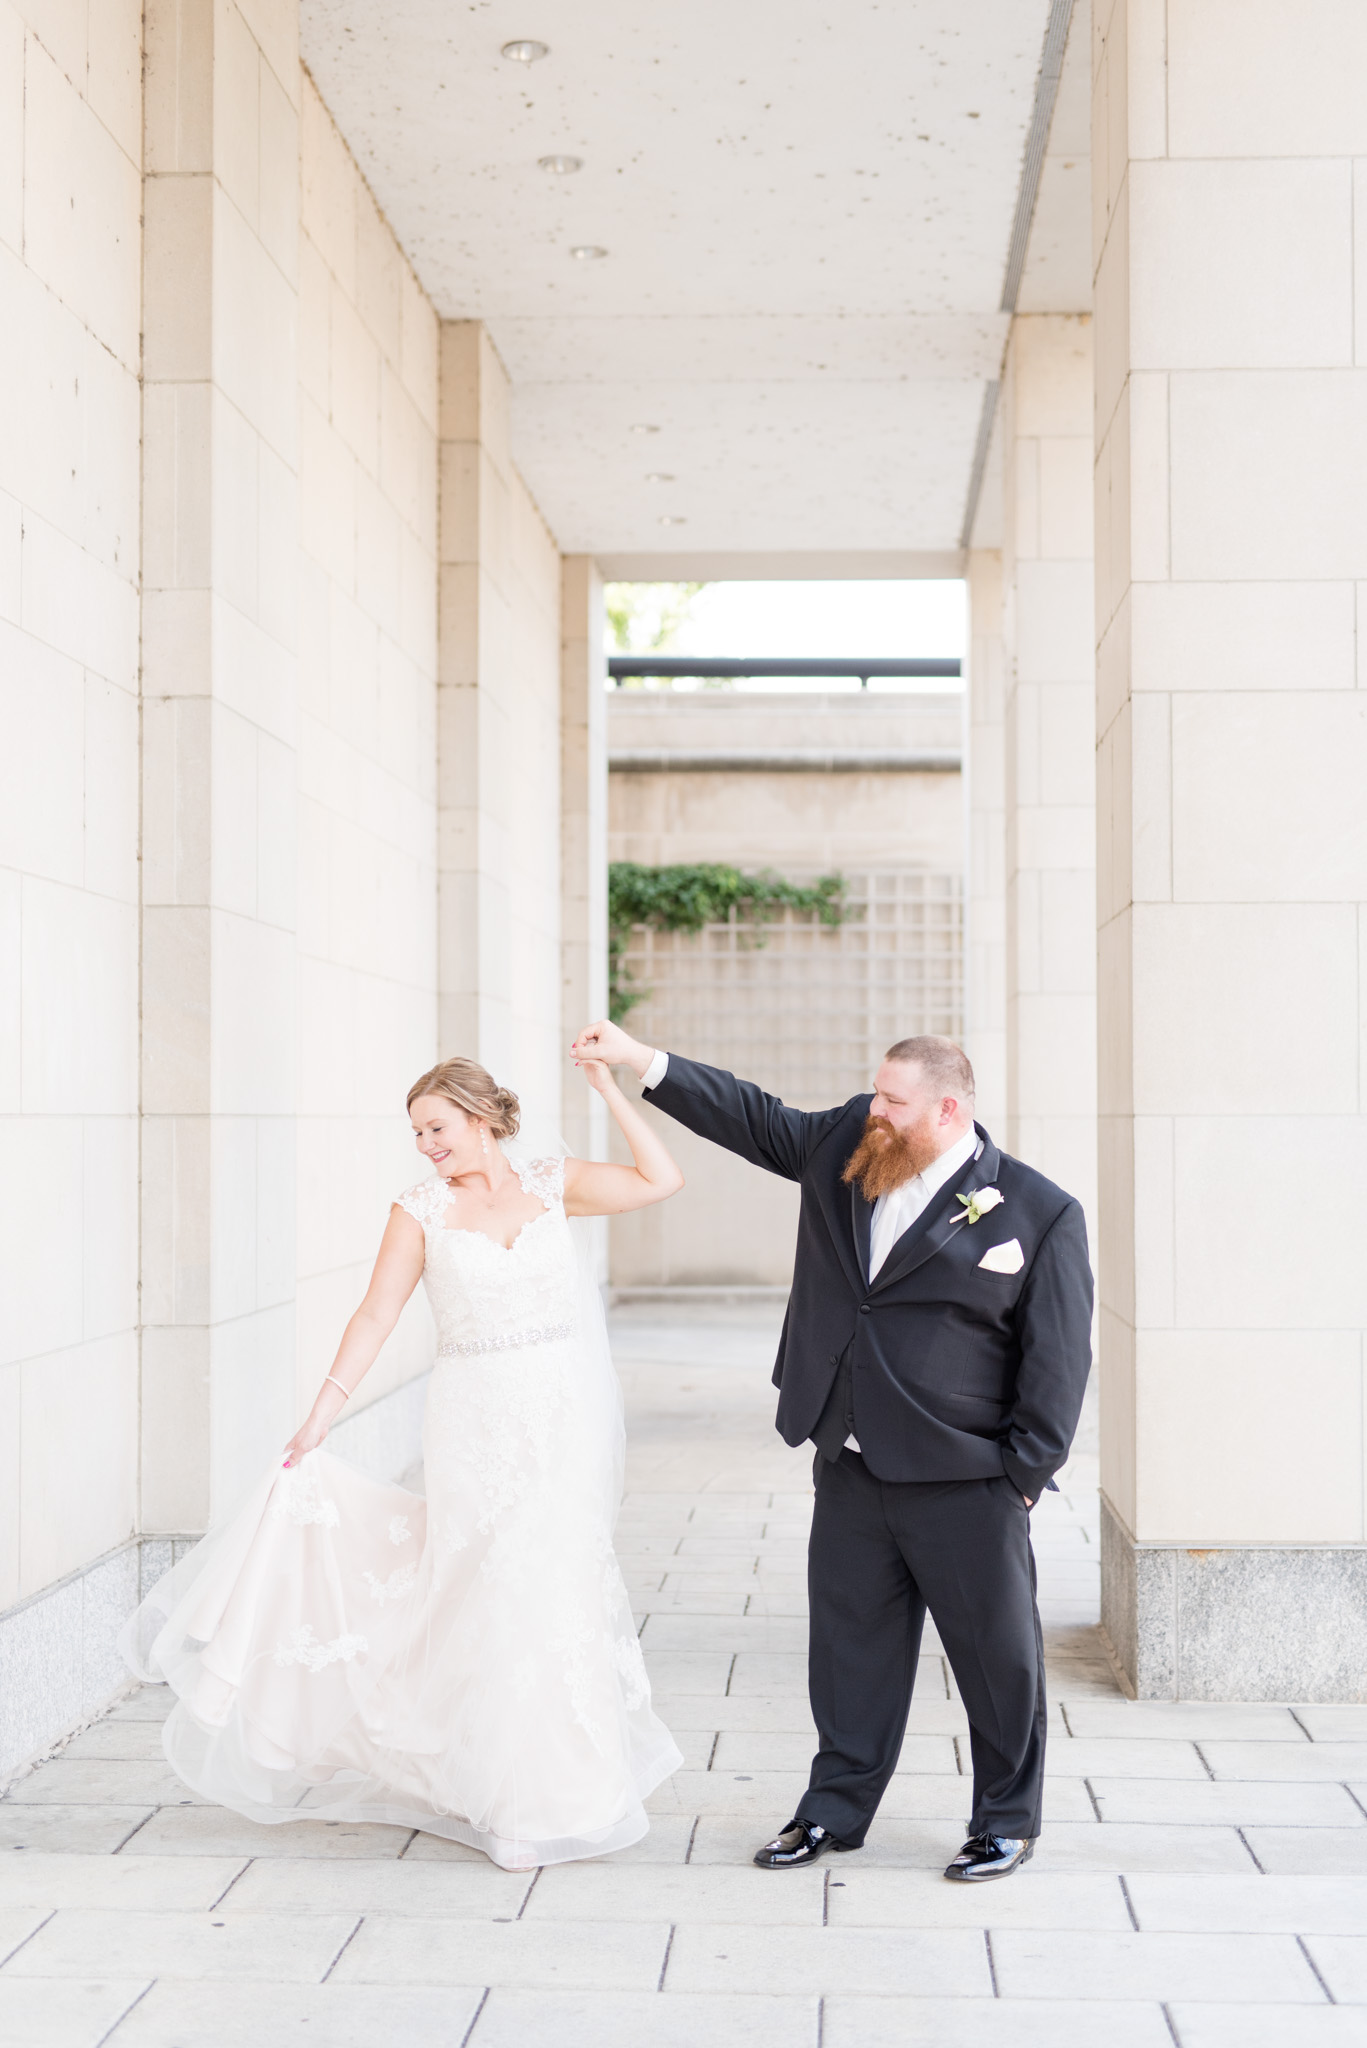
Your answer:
<point x="945" y="1065"/>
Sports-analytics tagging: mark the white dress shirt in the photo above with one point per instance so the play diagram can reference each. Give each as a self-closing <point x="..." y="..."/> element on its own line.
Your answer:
<point x="656" y="1071"/>
<point x="894" y="1213"/>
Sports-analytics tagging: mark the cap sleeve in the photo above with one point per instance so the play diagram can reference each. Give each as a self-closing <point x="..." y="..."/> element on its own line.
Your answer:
<point x="544" y="1178"/>
<point x="426" y="1203"/>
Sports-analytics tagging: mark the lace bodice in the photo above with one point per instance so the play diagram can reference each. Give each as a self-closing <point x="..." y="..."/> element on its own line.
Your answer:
<point x="482" y="1290"/>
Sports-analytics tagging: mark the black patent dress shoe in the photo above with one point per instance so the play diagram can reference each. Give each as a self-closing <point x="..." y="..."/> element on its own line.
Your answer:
<point x="985" y="1856"/>
<point x="799" y="1843"/>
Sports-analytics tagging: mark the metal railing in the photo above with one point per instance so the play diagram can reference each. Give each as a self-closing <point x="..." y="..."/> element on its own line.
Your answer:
<point x="679" y="668"/>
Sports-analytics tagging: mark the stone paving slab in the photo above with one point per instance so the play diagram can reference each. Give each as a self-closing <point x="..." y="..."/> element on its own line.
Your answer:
<point x="606" y="1955"/>
<point x="1251" y="1904"/>
<point x="263" y="2015"/>
<point x="473" y="1890"/>
<point x="1252" y="1802"/>
<point x="125" y="1740"/>
<point x="921" y="1898"/>
<point x="1279" y="2026"/>
<point x="946" y="1963"/>
<point x="80" y="1830"/>
<point x="1257" y="1967"/>
<point x="675" y="1893"/>
<point x="1291" y="1761"/>
<point x="43" y="1879"/>
<point x="86" y="1781"/>
<point x="1288" y="1851"/>
<point x="1341" y="1960"/>
<point x="92" y="1942"/>
<point x="45" y="2013"/>
<point x="849" y="2022"/>
<point x="210" y="1831"/>
<point x="631" y="2019"/>
<point x="1201" y="1882"/>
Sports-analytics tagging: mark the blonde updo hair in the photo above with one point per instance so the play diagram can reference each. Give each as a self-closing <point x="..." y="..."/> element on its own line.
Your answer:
<point x="472" y="1088"/>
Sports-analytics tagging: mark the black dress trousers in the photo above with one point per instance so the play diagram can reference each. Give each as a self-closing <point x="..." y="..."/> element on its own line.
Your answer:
<point x="882" y="1553"/>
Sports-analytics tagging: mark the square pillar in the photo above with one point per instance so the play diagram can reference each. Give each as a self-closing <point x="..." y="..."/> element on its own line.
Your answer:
<point x="985" y="853"/>
<point x="1050" y="941"/>
<point x="583" y="835"/>
<point x="220" y="547"/>
<point x="1231" y="495"/>
<point x="498" y="739"/>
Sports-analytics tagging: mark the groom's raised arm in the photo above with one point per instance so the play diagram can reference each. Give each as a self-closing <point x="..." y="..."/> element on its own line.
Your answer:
<point x="740" y="1116"/>
<point x="732" y="1113"/>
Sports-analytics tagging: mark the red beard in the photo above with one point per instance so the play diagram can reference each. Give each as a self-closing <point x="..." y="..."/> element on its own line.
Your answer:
<point x="885" y="1158"/>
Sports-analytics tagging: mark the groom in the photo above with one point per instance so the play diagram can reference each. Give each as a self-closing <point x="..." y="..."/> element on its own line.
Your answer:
<point x="935" y="1350"/>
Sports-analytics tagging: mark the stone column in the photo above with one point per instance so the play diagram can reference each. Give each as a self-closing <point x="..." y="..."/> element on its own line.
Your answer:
<point x="1049" y="750"/>
<point x="498" y="743"/>
<point x="583" y="833"/>
<point x="220" y="555"/>
<point x="985" y="852"/>
<point x="1231" y="481"/>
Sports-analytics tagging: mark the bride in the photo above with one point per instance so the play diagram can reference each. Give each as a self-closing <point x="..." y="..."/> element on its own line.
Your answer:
<point x="465" y="1664"/>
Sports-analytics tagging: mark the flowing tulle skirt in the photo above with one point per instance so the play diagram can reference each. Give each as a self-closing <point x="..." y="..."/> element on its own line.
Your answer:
<point x="464" y="1664"/>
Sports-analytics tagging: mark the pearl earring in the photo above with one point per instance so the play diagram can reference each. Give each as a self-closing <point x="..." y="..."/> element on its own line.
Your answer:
<point x="484" y="1141"/>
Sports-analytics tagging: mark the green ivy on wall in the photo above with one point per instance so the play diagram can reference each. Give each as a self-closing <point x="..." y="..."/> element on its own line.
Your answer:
<point x="684" y="898"/>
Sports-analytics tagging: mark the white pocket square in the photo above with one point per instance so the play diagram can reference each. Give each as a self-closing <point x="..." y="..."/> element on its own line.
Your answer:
<point x="1003" y="1258"/>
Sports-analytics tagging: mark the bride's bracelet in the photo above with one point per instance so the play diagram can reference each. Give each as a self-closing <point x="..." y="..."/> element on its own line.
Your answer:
<point x="346" y="1391"/>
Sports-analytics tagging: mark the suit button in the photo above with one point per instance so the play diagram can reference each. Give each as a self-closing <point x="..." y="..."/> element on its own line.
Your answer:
<point x="864" y="1309"/>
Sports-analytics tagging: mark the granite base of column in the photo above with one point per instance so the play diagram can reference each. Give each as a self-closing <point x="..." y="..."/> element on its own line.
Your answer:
<point x="1273" y="1623"/>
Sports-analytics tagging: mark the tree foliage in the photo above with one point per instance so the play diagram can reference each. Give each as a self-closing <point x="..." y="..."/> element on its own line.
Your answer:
<point x="684" y="898"/>
<point x="645" y="618"/>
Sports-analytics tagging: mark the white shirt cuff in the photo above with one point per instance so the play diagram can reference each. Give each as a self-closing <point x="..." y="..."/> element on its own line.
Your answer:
<point x="656" y="1071"/>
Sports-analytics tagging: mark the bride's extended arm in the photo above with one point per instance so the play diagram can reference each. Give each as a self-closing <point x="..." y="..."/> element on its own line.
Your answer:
<point x="398" y="1269"/>
<point x="594" y="1189"/>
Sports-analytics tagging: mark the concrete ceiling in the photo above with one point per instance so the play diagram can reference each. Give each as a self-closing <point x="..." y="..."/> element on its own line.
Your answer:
<point x="807" y="211"/>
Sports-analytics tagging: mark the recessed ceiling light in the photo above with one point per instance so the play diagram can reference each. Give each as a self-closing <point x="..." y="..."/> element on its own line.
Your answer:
<point x="658" y="476"/>
<point x="671" y="519"/>
<point x="561" y="165"/>
<point x="643" y="427"/>
<point x="525" y="52"/>
<point x="587" y="252"/>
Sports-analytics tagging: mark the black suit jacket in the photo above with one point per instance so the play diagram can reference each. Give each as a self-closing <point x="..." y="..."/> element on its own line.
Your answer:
<point x="957" y="1373"/>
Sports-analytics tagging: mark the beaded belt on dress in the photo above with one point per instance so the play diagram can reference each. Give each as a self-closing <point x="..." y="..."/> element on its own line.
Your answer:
<point x="510" y="1340"/>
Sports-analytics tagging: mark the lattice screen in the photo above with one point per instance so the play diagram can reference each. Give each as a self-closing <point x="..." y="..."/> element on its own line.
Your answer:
<point x="810" y="1013"/>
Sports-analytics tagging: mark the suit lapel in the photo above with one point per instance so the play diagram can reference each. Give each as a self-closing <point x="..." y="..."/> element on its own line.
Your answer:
<point x="861" y="1216"/>
<point x="940" y="1219"/>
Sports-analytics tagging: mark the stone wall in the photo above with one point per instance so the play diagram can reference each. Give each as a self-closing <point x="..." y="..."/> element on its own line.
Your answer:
<point x="70" y="284"/>
<point x="500" y="791"/>
<point x="223" y="950"/>
<point x="367" y="742"/>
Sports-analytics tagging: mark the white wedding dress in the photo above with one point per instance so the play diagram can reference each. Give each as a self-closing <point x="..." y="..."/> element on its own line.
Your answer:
<point x="465" y="1664"/>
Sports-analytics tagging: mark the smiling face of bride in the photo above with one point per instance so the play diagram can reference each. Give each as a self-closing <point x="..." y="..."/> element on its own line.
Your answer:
<point x="455" y="1142"/>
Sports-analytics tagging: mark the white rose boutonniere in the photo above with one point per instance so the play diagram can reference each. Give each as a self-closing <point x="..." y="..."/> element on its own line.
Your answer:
<point x="980" y="1201"/>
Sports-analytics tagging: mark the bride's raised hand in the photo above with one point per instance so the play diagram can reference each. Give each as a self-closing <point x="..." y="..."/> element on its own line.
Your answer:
<point x="598" y="1074"/>
<point x="606" y="1041"/>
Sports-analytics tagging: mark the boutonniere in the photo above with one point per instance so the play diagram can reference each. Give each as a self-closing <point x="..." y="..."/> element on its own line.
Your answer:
<point x="980" y="1201"/>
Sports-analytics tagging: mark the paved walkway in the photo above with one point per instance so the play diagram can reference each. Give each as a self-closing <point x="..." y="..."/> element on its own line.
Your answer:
<point x="1202" y="1880"/>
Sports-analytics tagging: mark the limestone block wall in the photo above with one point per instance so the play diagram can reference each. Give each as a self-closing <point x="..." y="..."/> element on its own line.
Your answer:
<point x="220" y="563"/>
<point x="1231" y="519"/>
<point x="70" y="285"/>
<point x="499" y="711"/>
<point x="367" y="743"/>
<point x="985" y="852"/>
<point x="1050" y="744"/>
